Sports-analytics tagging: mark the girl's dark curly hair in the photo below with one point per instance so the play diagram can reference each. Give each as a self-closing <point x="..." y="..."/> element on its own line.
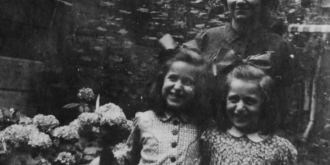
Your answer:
<point x="267" y="11"/>
<point x="198" y="108"/>
<point x="267" y="122"/>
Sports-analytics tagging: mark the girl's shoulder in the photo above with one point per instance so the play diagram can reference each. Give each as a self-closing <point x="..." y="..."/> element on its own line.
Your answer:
<point x="211" y="133"/>
<point x="283" y="144"/>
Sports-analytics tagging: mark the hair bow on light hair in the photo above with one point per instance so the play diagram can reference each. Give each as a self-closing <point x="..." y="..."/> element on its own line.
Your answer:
<point x="227" y="59"/>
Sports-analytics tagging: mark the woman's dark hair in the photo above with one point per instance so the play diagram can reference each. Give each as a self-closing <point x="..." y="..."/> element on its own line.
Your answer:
<point x="267" y="11"/>
<point x="267" y="121"/>
<point x="198" y="107"/>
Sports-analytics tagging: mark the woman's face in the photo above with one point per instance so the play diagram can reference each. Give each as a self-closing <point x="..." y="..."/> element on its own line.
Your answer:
<point x="243" y="104"/>
<point x="179" y="85"/>
<point x="244" y="10"/>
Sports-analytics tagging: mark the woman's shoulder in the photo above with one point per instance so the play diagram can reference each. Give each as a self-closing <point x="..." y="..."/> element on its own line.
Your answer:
<point x="218" y="29"/>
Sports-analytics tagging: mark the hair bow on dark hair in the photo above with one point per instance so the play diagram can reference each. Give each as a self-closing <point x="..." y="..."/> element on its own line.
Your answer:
<point x="169" y="47"/>
<point x="227" y="59"/>
<point x="168" y="43"/>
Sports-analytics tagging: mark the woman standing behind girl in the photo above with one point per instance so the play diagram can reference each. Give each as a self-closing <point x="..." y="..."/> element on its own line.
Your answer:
<point x="247" y="135"/>
<point x="170" y="133"/>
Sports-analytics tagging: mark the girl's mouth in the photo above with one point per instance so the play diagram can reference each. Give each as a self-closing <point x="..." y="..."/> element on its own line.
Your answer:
<point x="175" y="96"/>
<point x="240" y="118"/>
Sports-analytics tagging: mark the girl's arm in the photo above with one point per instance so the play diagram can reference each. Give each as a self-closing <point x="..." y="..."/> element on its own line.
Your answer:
<point x="133" y="145"/>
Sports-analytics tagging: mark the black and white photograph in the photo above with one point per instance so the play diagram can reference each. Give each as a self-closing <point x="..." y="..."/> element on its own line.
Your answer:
<point x="164" y="82"/>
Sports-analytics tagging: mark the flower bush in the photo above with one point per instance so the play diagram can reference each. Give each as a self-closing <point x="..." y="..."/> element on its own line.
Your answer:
<point x="86" y="94"/>
<point x="45" y="123"/>
<point x="73" y="144"/>
<point x="87" y="118"/>
<point x="25" y="120"/>
<point x="111" y="114"/>
<point x="39" y="139"/>
<point x="18" y="135"/>
<point x="66" y="132"/>
<point x="65" y="158"/>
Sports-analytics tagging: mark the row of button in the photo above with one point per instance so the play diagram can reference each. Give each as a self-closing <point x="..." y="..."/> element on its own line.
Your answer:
<point x="174" y="132"/>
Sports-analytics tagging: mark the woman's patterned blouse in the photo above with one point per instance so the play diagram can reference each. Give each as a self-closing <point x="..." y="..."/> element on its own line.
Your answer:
<point x="222" y="148"/>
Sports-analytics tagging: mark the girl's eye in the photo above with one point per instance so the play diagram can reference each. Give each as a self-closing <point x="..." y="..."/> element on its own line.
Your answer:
<point x="173" y="78"/>
<point x="233" y="99"/>
<point x="250" y="101"/>
<point x="187" y="82"/>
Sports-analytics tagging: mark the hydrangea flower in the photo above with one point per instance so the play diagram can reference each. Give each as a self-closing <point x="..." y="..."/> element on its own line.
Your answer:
<point x="65" y="158"/>
<point x="86" y="93"/>
<point x="45" y="123"/>
<point x="66" y="132"/>
<point x="111" y="114"/>
<point x="44" y="162"/>
<point x="75" y="124"/>
<point x="23" y="120"/>
<point x="119" y="152"/>
<point x="39" y="139"/>
<point x="15" y="134"/>
<point x="89" y="119"/>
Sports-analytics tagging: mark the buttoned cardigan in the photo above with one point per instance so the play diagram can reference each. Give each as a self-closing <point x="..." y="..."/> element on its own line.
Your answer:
<point x="163" y="140"/>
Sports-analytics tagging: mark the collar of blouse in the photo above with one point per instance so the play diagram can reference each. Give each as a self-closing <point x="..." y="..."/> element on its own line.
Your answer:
<point x="255" y="137"/>
<point x="167" y="116"/>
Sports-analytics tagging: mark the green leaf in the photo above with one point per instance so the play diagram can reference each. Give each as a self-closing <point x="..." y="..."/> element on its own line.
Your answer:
<point x="71" y="105"/>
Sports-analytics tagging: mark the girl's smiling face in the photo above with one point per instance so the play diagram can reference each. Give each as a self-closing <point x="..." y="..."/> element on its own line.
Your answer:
<point x="179" y="85"/>
<point x="243" y="104"/>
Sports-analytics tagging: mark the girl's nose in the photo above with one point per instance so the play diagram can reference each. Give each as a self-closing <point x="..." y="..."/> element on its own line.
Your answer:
<point x="240" y="106"/>
<point x="177" y="85"/>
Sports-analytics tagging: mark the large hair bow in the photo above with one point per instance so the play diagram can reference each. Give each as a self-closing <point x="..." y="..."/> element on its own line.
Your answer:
<point x="227" y="59"/>
<point x="167" y="42"/>
<point x="169" y="47"/>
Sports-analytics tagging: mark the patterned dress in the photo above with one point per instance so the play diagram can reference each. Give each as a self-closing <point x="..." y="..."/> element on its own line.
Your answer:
<point x="223" y="148"/>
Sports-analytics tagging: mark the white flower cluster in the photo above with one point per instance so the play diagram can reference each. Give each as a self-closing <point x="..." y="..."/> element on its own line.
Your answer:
<point x="23" y="120"/>
<point x="65" y="158"/>
<point x="28" y="134"/>
<point x="119" y="152"/>
<point x="66" y="132"/>
<point x="16" y="134"/>
<point x="75" y="124"/>
<point x="45" y="123"/>
<point x="39" y="139"/>
<point x="111" y="114"/>
<point x="86" y="93"/>
<point x="89" y="119"/>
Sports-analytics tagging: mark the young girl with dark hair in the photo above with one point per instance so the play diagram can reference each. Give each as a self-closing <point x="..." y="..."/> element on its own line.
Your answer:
<point x="246" y="133"/>
<point x="170" y="132"/>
